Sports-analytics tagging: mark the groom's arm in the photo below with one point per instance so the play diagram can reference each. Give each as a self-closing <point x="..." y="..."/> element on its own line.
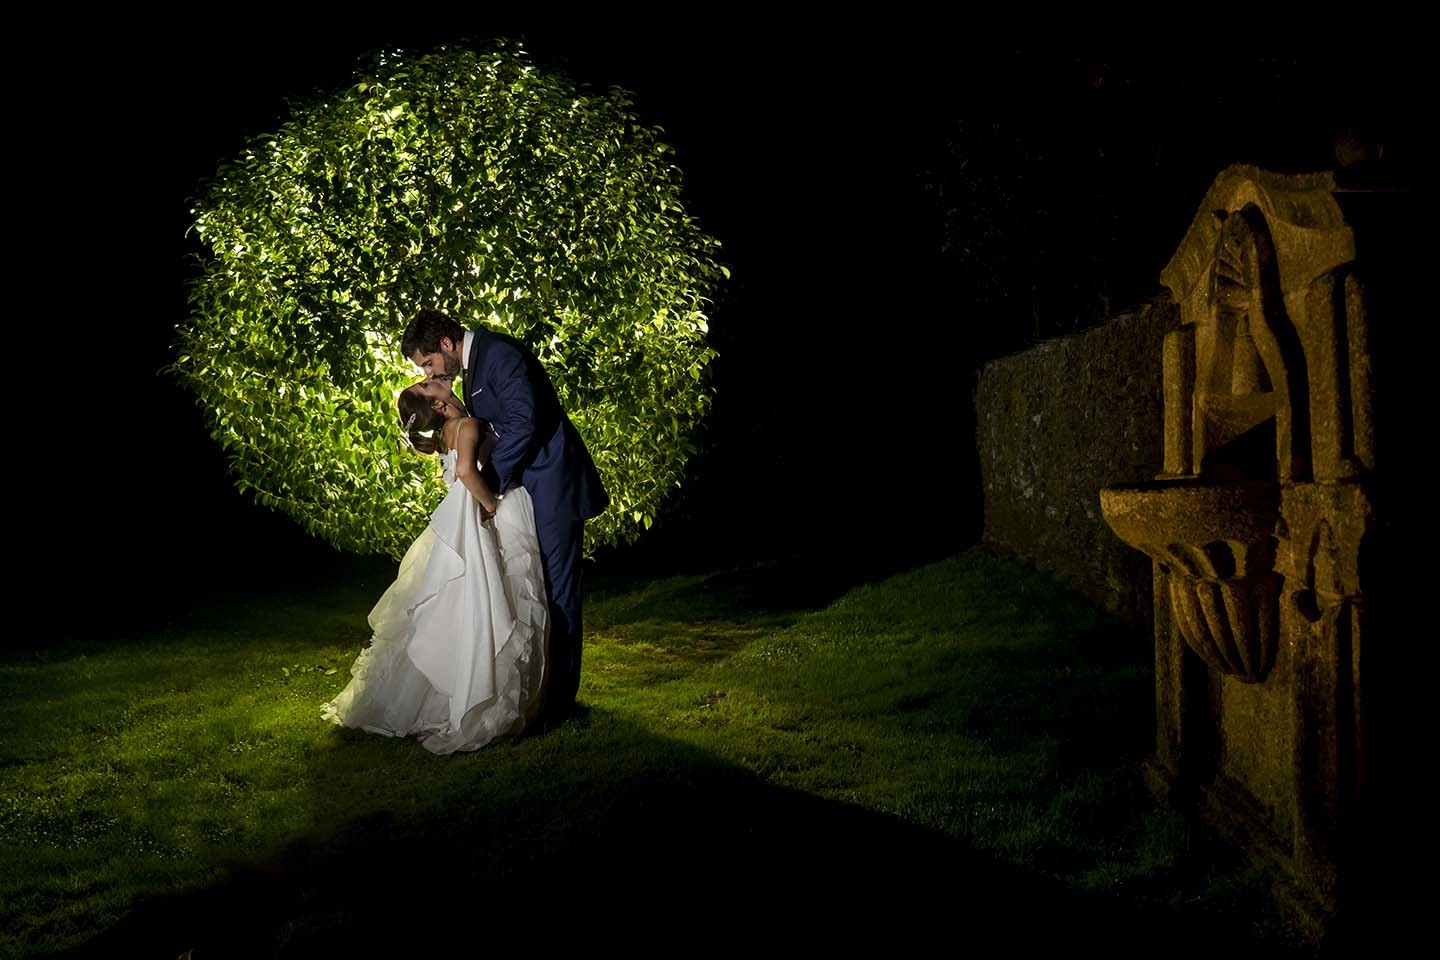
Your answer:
<point x="510" y="379"/>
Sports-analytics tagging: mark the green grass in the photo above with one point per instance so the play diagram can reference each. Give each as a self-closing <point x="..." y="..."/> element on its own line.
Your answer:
<point x="950" y="752"/>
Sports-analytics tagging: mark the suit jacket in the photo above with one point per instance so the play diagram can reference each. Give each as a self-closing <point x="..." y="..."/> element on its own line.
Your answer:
<point x="538" y="446"/>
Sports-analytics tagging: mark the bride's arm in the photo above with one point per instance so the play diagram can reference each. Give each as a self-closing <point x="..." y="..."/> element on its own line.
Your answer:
<point x="469" y="447"/>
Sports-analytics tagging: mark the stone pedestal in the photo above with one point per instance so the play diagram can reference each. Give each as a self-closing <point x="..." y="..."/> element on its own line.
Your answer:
<point x="1259" y="524"/>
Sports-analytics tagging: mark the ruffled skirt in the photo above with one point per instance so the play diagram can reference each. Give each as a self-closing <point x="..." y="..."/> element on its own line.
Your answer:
<point x="458" y="652"/>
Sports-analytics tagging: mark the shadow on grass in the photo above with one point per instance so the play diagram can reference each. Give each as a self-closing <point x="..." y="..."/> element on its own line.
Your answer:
<point x="311" y="583"/>
<point x="775" y="589"/>
<point x="293" y="581"/>
<point x="664" y="847"/>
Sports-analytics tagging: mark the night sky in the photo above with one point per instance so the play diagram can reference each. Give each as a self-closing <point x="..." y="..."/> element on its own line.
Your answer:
<point x="848" y="336"/>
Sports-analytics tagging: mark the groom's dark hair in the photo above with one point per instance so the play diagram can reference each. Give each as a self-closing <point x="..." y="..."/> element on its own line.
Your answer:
<point x="424" y="332"/>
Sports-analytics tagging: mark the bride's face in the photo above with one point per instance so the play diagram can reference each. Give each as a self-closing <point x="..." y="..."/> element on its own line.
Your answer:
<point x="433" y="390"/>
<point x="441" y="395"/>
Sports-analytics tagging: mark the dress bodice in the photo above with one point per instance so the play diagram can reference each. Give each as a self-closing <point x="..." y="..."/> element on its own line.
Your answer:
<point x="448" y="460"/>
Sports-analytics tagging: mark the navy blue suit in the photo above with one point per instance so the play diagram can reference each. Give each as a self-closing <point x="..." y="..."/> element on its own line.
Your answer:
<point x="539" y="449"/>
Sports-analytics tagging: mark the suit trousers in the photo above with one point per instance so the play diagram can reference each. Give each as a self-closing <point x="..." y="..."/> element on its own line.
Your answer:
<point x="561" y="539"/>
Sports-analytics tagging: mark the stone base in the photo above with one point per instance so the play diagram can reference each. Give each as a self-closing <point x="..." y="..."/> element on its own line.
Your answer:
<point x="1163" y="780"/>
<point x="1229" y="811"/>
<point x="1238" y="819"/>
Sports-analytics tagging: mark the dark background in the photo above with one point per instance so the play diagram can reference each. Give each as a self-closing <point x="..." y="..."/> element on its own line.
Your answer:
<point x="897" y="204"/>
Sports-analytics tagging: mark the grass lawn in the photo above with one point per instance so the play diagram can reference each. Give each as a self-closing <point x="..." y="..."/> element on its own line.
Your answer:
<point x="768" y="757"/>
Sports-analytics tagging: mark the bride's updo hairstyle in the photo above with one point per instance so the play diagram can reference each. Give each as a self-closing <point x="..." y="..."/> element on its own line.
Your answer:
<point x="419" y="421"/>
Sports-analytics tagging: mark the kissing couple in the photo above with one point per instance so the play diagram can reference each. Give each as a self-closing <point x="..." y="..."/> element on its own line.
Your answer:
<point x="479" y="636"/>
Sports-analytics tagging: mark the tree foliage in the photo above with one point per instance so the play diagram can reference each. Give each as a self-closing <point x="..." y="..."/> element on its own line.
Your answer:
<point x="477" y="183"/>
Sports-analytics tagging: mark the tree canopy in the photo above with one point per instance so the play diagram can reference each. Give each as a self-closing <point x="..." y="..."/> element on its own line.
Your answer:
<point x="472" y="181"/>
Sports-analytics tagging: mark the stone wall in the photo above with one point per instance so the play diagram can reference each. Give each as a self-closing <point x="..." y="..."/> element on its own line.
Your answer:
<point x="1056" y="423"/>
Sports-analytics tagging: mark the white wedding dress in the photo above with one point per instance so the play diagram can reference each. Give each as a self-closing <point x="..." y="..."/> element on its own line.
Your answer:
<point x="458" y="652"/>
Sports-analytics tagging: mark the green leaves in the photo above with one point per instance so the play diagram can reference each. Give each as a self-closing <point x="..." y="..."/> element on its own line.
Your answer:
<point x="475" y="183"/>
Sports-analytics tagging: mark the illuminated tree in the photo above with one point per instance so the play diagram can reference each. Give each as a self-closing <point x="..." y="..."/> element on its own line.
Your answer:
<point x="473" y="182"/>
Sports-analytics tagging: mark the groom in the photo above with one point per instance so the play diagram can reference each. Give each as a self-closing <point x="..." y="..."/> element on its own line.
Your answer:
<point x="538" y="449"/>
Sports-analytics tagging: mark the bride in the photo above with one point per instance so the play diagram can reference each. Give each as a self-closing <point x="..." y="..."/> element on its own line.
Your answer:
<point x="458" y="652"/>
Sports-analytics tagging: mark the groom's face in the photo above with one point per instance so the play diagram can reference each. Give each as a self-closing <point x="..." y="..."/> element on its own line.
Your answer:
<point x="444" y="362"/>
